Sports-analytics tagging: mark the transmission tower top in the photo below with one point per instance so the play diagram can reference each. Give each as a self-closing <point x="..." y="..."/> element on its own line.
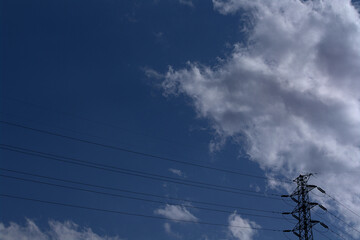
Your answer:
<point x="302" y="213"/>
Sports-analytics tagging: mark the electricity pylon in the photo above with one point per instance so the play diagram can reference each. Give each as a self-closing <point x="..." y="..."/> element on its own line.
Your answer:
<point x="302" y="213"/>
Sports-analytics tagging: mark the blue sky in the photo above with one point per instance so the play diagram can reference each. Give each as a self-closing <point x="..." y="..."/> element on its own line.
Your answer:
<point x="99" y="71"/>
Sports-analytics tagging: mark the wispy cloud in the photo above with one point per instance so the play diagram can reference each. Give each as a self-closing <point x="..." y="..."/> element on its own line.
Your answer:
<point x="176" y="213"/>
<point x="151" y="73"/>
<point x="290" y="95"/>
<point x="56" y="231"/>
<point x="256" y="187"/>
<point x="168" y="230"/>
<point x="177" y="172"/>
<point x="187" y="3"/>
<point x="241" y="228"/>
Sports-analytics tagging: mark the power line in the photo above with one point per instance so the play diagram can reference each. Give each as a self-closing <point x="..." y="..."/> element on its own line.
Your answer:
<point x="135" y="152"/>
<point x="130" y="151"/>
<point x="123" y="169"/>
<point x="332" y="214"/>
<point x="331" y="225"/>
<point x="114" y="126"/>
<point x="134" y="192"/>
<point x="339" y="202"/>
<point x="74" y="116"/>
<point x="163" y="139"/>
<point x="45" y="123"/>
<point x="337" y="234"/>
<point x="343" y="221"/>
<point x="335" y="216"/>
<point x="131" y="214"/>
<point x="133" y="198"/>
<point x="322" y="234"/>
<point x="333" y="198"/>
<point x="130" y="172"/>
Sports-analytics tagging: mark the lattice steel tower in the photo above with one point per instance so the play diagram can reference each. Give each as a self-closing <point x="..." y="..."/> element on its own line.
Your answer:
<point x="302" y="213"/>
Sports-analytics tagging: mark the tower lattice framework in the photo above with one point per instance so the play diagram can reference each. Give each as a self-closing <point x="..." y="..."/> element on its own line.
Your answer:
<point x="302" y="211"/>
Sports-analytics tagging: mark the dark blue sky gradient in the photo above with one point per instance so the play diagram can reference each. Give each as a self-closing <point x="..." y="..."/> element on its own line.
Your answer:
<point x="66" y="66"/>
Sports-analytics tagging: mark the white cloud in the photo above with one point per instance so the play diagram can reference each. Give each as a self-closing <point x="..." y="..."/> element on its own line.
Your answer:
<point x="177" y="172"/>
<point x="57" y="231"/>
<point x="151" y="73"/>
<point x="291" y="95"/>
<point x="169" y="231"/>
<point x="176" y="213"/>
<point x="241" y="228"/>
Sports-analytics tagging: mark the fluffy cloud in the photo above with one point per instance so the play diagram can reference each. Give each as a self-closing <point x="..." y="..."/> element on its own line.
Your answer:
<point x="57" y="231"/>
<point x="291" y="94"/>
<point x="176" y="213"/>
<point x="241" y="228"/>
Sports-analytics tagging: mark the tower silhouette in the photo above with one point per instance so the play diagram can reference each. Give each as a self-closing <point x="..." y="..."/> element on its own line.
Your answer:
<point x="302" y="211"/>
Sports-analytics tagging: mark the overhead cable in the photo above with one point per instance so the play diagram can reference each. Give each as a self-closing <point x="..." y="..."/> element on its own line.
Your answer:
<point x="135" y="173"/>
<point x="132" y="214"/>
<point x="136" y="152"/>
<point x="342" y="204"/>
<point x="135" y="192"/>
<point x="134" y="198"/>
